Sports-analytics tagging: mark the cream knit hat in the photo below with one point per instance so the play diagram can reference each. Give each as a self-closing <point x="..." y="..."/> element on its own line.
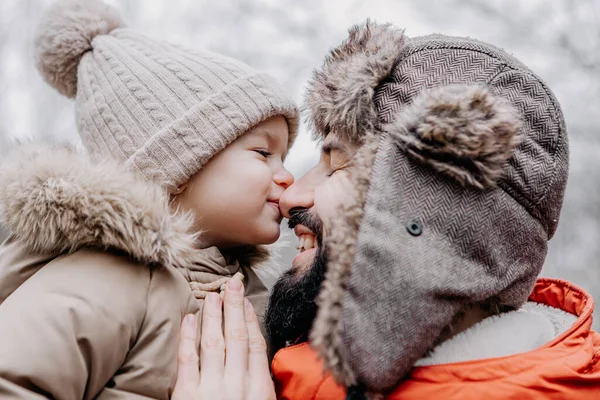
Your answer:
<point x="158" y="108"/>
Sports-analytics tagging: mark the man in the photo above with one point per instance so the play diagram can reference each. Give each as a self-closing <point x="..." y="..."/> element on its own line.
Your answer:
<point x="423" y="230"/>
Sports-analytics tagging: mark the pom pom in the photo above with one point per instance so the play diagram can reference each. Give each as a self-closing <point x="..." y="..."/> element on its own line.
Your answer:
<point x="65" y="33"/>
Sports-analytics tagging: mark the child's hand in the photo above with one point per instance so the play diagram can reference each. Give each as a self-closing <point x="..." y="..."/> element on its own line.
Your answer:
<point x="241" y="372"/>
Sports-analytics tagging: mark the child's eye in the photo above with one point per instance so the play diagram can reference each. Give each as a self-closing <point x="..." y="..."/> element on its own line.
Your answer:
<point x="264" y="153"/>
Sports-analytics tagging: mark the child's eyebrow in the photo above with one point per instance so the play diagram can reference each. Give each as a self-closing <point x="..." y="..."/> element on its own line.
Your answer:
<point x="268" y="135"/>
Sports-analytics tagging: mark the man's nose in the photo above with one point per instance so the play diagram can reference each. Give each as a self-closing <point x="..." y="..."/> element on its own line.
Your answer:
<point x="298" y="195"/>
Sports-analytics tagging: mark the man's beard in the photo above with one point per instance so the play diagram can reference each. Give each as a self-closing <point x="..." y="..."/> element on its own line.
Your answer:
<point x="292" y="307"/>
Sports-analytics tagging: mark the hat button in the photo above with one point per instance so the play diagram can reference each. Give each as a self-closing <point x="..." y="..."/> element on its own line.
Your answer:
<point x="414" y="228"/>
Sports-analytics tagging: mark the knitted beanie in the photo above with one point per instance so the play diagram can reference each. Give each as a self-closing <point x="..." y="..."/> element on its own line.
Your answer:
<point x="160" y="109"/>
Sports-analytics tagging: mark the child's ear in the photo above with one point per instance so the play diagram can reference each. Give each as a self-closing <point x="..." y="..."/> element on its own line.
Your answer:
<point x="462" y="131"/>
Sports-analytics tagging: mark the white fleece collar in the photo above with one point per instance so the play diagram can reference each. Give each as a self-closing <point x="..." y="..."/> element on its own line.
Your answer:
<point x="503" y="335"/>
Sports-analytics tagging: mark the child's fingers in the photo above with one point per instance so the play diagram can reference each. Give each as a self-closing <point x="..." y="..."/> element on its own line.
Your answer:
<point x="212" y="345"/>
<point x="188" y="375"/>
<point x="236" y="333"/>
<point x="258" y="364"/>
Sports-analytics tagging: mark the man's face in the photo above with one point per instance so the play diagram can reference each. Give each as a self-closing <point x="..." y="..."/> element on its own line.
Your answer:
<point x="310" y="204"/>
<point x="319" y="194"/>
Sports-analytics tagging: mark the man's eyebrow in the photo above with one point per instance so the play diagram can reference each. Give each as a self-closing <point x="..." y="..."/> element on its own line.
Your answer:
<point x="334" y="145"/>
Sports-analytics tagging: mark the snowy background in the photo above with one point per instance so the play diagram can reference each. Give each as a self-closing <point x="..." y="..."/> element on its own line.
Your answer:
<point x="559" y="40"/>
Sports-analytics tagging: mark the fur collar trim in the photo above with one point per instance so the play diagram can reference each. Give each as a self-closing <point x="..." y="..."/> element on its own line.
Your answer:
<point x="56" y="200"/>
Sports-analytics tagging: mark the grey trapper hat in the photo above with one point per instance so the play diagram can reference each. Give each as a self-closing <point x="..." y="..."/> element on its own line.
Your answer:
<point x="459" y="183"/>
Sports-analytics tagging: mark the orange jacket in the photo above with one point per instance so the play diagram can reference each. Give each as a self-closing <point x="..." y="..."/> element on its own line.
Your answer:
<point x="568" y="367"/>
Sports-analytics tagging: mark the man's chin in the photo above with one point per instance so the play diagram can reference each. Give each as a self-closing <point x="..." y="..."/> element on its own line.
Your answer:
<point x="303" y="261"/>
<point x="292" y="306"/>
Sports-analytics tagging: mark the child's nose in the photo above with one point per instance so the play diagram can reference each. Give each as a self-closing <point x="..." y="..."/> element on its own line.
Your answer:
<point x="283" y="178"/>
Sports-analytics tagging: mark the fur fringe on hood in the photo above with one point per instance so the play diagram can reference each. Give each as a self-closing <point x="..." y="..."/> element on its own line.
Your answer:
<point x="340" y="94"/>
<point x="56" y="200"/>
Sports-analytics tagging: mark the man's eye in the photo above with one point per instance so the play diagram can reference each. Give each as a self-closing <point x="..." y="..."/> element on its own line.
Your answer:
<point x="264" y="153"/>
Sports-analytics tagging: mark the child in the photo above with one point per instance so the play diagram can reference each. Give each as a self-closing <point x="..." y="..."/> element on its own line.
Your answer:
<point x="111" y="249"/>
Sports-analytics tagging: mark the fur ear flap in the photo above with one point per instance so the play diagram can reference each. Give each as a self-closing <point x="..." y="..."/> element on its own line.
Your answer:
<point x="462" y="131"/>
<point x="340" y="94"/>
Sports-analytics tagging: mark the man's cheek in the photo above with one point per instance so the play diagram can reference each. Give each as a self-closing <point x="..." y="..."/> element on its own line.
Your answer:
<point x="331" y="196"/>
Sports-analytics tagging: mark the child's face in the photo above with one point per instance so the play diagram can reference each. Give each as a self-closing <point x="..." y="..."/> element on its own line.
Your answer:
<point x="235" y="197"/>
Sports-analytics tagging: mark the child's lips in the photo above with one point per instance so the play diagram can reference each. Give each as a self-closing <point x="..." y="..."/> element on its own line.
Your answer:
<point x="275" y="204"/>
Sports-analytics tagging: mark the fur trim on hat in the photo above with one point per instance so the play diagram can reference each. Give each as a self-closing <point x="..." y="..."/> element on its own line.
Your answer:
<point x="462" y="131"/>
<point x="340" y="93"/>
<point x="442" y="127"/>
<point x="65" y="33"/>
<point x="56" y="201"/>
<point x="326" y="334"/>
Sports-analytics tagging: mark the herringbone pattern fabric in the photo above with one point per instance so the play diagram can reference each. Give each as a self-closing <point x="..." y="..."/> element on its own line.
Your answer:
<point x="476" y="245"/>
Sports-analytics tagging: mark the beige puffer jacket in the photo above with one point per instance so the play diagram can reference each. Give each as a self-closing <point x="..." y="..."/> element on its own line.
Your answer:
<point x="95" y="280"/>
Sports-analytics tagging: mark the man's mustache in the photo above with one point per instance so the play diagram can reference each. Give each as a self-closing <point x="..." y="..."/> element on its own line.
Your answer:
<point x="309" y="220"/>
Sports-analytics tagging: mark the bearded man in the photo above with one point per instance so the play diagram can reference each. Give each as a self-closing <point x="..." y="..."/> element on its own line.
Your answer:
<point x="423" y="230"/>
